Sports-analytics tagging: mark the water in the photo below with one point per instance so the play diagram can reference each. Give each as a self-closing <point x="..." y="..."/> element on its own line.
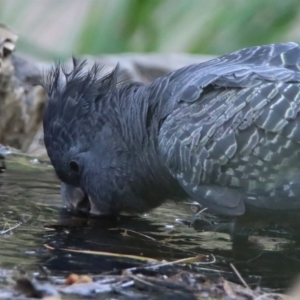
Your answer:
<point x="30" y="202"/>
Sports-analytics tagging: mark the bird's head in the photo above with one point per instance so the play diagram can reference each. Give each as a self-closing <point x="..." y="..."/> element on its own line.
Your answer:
<point x="87" y="141"/>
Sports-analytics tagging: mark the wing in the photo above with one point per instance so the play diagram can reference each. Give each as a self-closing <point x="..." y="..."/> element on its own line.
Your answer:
<point x="230" y="126"/>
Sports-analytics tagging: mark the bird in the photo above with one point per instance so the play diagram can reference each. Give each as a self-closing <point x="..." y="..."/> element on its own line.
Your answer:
<point x="224" y="133"/>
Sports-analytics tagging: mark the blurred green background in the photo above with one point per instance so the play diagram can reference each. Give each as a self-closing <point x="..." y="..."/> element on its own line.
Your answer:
<point x="51" y="29"/>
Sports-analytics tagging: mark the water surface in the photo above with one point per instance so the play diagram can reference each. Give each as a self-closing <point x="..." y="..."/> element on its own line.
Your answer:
<point x="30" y="202"/>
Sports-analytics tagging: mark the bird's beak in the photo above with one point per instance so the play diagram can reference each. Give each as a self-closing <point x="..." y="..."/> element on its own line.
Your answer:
<point x="75" y="199"/>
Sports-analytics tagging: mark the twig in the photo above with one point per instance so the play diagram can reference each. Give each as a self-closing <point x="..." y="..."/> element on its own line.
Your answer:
<point x="136" y="232"/>
<point x="273" y="295"/>
<point x="201" y="211"/>
<point x="240" y="277"/>
<point x="10" y="229"/>
<point x="140" y="280"/>
<point x="183" y="260"/>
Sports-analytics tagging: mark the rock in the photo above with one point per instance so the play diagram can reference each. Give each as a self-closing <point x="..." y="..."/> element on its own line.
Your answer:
<point x="21" y="105"/>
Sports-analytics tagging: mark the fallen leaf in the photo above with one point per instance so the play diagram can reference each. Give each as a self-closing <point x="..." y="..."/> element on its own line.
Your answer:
<point x="74" y="278"/>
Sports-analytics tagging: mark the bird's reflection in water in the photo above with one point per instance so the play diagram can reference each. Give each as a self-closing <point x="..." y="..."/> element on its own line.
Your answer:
<point x="263" y="247"/>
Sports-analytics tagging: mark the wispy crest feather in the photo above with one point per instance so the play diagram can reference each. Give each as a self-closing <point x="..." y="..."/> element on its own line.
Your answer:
<point x="61" y="82"/>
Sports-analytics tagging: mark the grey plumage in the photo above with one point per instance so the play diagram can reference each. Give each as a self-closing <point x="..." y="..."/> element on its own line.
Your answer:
<point x="225" y="133"/>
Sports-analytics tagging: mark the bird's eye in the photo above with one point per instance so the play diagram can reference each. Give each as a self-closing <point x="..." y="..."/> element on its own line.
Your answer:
<point x="74" y="166"/>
